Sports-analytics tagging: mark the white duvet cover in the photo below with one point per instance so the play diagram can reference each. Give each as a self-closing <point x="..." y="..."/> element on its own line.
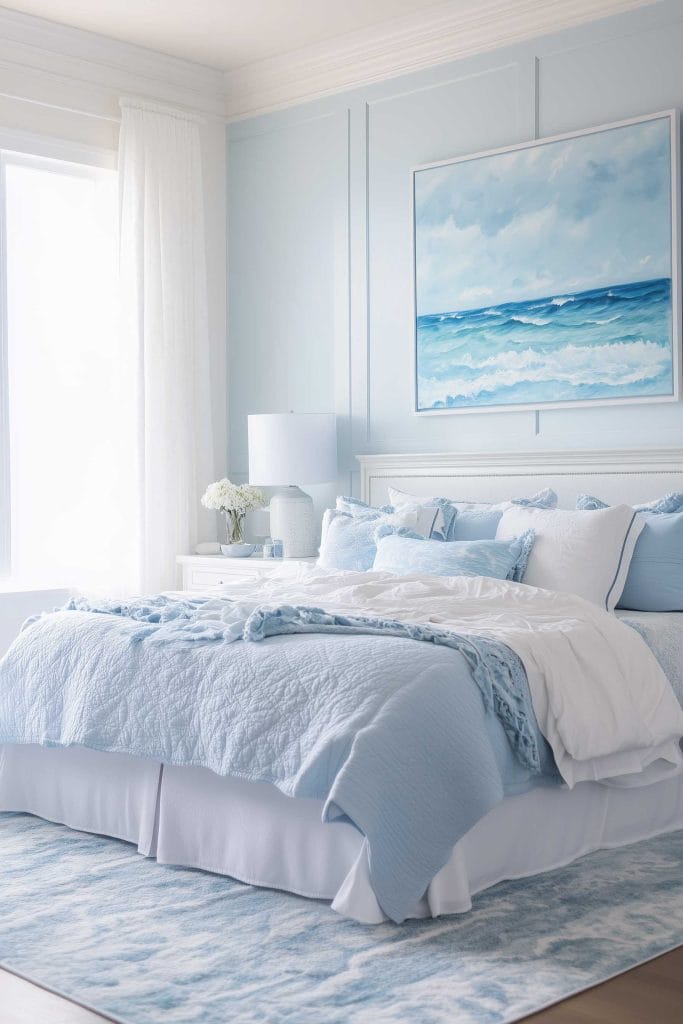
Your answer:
<point x="600" y="697"/>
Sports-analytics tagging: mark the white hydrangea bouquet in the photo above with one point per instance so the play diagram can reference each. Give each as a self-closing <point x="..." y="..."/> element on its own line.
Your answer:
<point x="234" y="501"/>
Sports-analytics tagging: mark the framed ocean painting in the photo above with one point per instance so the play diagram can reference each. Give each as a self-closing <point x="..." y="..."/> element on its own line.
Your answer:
<point x="547" y="274"/>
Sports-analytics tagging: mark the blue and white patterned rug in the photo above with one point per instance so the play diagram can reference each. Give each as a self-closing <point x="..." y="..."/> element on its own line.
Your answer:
<point x="146" y="944"/>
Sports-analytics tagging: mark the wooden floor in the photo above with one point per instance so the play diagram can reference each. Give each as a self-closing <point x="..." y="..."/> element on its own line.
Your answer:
<point x="651" y="994"/>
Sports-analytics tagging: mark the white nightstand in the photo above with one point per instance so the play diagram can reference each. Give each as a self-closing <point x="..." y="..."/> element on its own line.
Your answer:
<point x="201" y="571"/>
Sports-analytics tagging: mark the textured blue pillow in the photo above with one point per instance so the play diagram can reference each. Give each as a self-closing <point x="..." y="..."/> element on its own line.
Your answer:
<point x="348" y="542"/>
<point x="655" y="576"/>
<point x="503" y="560"/>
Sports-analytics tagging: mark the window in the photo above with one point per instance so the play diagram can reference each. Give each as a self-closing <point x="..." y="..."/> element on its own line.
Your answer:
<point x="68" y="473"/>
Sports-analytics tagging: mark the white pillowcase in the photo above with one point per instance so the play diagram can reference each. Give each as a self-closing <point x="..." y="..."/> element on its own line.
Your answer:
<point x="576" y="553"/>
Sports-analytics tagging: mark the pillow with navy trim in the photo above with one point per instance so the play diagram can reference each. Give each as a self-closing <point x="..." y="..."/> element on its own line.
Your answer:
<point x="655" y="576"/>
<point x="400" y="553"/>
<point x="584" y="553"/>
<point x="476" y="520"/>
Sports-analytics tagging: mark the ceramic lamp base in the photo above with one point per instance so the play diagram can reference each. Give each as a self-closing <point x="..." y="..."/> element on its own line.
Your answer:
<point x="292" y="521"/>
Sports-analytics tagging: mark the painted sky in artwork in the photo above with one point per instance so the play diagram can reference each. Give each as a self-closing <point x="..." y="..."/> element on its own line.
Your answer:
<point x="582" y="213"/>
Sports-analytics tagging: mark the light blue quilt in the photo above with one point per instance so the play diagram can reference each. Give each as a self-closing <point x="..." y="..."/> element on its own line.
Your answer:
<point x="410" y="732"/>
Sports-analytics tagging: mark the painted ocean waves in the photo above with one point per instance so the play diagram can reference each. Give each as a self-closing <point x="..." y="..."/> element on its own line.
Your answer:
<point x="546" y="274"/>
<point x="603" y="343"/>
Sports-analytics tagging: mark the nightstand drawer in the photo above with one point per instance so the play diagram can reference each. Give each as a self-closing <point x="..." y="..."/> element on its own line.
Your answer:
<point x="201" y="572"/>
<point x="200" y="579"/>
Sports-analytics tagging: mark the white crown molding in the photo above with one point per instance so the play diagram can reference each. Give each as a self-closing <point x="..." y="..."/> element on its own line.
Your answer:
<point x="406" y="44"/>
<point x="41" y="59"/>
<point x="69" y="55"/>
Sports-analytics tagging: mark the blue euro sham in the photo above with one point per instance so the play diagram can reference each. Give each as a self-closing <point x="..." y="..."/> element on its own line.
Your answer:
<point x="479" y="521"/>
<point x="473" y="524"/>
<point x="655" y="577"/>
<point x="503" y="560"/>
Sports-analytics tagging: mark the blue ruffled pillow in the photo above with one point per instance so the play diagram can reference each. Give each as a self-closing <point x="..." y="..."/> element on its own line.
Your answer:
<point x="655" y="576"/>
<point x="476" y="520"/>
<point x="356" y="507"/>
<point x="403" y="555"/>
<point x="671" y="502"/>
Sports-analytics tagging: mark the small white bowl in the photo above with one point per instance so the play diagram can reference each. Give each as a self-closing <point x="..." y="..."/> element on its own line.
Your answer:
<point x="238" y="550"/>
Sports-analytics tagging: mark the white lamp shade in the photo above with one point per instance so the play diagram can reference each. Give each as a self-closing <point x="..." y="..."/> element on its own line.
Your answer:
<point x="292" y="448"/>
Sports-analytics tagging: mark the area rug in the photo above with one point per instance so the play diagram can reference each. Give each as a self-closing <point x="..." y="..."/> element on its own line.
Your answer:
<point x="145" y="944"/>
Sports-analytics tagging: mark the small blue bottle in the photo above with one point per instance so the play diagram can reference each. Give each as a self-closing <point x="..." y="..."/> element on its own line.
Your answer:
<point x="277" y="549"/>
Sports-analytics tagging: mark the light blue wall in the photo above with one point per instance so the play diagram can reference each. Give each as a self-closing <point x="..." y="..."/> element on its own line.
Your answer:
<point x="320" y="307"/>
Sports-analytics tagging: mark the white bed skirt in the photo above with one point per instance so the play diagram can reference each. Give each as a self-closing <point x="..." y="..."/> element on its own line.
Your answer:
<point x="251" y="831"/>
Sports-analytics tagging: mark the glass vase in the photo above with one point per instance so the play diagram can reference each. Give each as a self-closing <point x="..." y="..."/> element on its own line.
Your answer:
<point x="234" y="526"/>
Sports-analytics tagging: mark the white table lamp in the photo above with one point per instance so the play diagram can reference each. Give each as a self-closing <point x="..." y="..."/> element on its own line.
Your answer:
<point x="289" y="447"/>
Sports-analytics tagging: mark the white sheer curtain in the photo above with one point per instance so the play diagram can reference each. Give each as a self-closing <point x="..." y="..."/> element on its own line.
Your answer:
<point x="71" y="419"/>
<point x="164" y="314"/>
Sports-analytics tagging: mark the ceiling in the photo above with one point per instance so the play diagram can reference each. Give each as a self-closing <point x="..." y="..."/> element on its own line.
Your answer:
<point x="228" y="34"/>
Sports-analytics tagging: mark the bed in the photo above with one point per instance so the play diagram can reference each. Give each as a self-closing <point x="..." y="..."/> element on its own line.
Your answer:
<point x="185" y="813"/>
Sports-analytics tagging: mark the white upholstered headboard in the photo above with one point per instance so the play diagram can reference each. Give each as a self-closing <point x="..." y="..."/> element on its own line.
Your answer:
<point x="628" y="476"/>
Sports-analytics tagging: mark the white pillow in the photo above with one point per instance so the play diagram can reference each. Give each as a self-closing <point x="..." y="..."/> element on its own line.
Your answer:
<point x="576" y="553"/>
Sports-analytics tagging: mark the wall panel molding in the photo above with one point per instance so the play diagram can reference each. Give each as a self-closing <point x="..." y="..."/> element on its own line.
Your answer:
<point x="359" y="346"/>
<point x="515" y="76"/>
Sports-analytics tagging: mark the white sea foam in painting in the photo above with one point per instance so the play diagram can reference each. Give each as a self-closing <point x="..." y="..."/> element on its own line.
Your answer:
<point x="536" y="321"/>
<point x="594" y="344"/>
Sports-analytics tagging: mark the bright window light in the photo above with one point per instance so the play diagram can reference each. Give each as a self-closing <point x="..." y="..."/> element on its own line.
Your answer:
<point x="71" y="400"/>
